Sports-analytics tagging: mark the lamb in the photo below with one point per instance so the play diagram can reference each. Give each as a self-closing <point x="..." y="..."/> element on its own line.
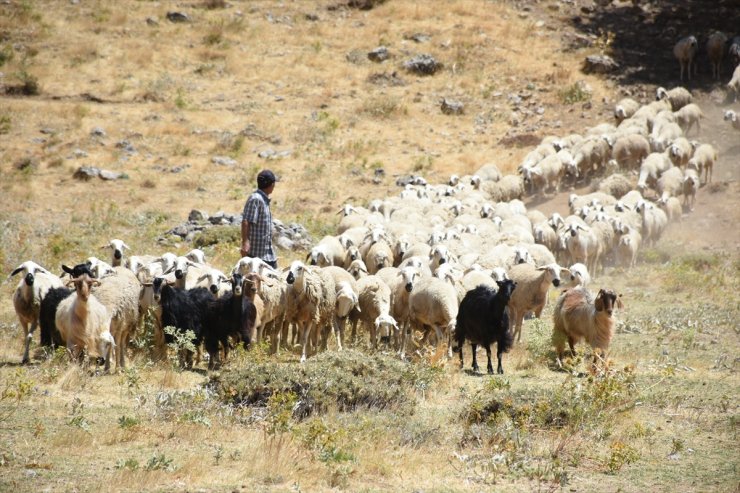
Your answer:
<point x="231" y="315"/>
<point x="357" y="269"/>
<point x="84" y="323"/>
<point x="715" y="51"/>
<point x="690" y="186"/>
<point x="703" y="161"/>
<point x="374" y="308"/>
<point x="119" y="294"/>
<point x="685" y="51"/>
<point x="347" y="300"/>
<point x="116" y="246"/>
<point x="627" y="247"/>
<point x="316" y="301"/>
<point x="625" y="108"/>
<point x="579" y="316"/>
<point x="483" y="318"/>
<point x="678" y="97"/>
<point x="734" y="84"/>
<point x="732" y="117"/>
<point x="688" y="116"/>
<point x="579" y="275"/>
<point x="401" y="283"/>
<point x="630" y="150"/>
<point x="29" y="295"/>
<point x="433" y="304"/>
<point x="532" y="284"/>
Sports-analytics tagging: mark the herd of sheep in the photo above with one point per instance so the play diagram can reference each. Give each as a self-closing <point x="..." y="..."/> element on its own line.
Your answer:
<point x="464" y="260"/>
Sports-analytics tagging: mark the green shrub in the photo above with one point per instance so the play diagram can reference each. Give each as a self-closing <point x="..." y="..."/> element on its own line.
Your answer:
<point x="346" y="380"/>
<point x="216" y="235"/>
<point x="575" y="93"/>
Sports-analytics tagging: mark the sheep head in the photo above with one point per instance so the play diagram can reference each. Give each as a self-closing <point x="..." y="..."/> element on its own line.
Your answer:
<point x="506" y="288"/>
<point x="296" y="272"/>
<point x="30" y="268"/>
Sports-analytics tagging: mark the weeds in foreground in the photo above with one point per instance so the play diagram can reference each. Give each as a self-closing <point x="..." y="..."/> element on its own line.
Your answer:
<point x="17" y="390"/>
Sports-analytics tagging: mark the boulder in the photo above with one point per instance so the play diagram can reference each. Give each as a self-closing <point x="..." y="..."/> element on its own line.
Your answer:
<point x="599" y="64"/>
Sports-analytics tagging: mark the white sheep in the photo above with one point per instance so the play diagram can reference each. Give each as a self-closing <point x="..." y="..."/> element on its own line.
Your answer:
<point x="703" y="161"/>
<point x="533" y="284"/>
<point x="347" y="300"/>
<point x="433" y="305"/>
<point x="329" y="251"/>
<point x="654" y="221"/>
<point x="583" y="245"/>
<point x="116" y="247"/>
<point x="678" y="97"/>
<point x="685" y="51"/>
<point x="579" y="275"/>
<point x="374" y="307"/>
<point x="99" y="268"/>
<point x="119" y="293"/>
<point x="663" y="135"/>
<point x="379" y="255"/>
<point x="507" y="188"/>
<point x="545" y="174"/>
<point x="488" y="172"/>
<point x="627" y="247"/>
<point x="625" y="108"/>
<point x="357" y="269"/>
<point x="655" y="164"/>
<point x="680" y="151"/>
<point x="615" y="185"/>
<point x="316" y="301"/>
<point x="579" y="316"/>
<point x="84" y="323"/>
<point x="31" y="289"/>
<point x="670" y="182"/>
<point x="401" y="283"/>
<point x="733" y="118"/>
<point x="196" y="255"/>
<point x="672" y="206"/>
<point x="630" y="150"/>
<point x="715" y="51"/>
<point x="734" y="84"/>
<point x="688" y="116"/>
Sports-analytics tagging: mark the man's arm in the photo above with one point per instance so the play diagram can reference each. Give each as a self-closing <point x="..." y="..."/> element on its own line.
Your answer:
<point x="245" y="238"/>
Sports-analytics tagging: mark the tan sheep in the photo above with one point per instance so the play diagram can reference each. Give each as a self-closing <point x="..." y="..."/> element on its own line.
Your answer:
<point x="685" y="51"/>
<point x="715" y="52"/>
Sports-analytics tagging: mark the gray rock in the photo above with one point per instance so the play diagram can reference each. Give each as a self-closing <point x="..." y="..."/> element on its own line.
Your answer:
<point x="423" y="65"/>
<point x="79" y="153"/>
<point x="126" y="146"/>
<point x="273" y="154"/>
<point x="178" y="17"/>
<point x="84" y="173"/>
<point x="284" y="242"/>
<point x="181" y="231"/>
<point x="450" y="107"/>
<point x="98" y="132"/>
<point x="385" y="79"/>
<point x="599" y="64"/>
<point x="224" y="161"/>
<point x="107" y="175"/>
<point x="152" y="21"/>
<point x="197" y="215"/>
<point x="417" y="37"/>
<point x="379" y="54"/>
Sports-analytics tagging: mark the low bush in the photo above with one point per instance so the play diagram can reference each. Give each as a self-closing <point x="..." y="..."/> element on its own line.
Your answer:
<point x="345" y="381"/>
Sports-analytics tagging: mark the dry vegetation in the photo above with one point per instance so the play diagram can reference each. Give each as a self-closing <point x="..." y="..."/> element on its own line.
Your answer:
<point x="248" y="76"/>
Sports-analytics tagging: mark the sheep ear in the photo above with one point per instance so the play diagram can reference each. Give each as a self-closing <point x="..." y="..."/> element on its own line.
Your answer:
<point x="66" y="269"/>
<point x="69" y="283"/>
<point x="599" y="303"/>
<point x="565" y="270"/>
<point x="95" y="283"/>
<point x="620" y="305"/>
<point x="16" y="271"/>
<point x="126" y="246"/>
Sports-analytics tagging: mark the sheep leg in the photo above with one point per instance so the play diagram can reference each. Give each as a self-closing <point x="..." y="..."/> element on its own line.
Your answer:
<point x="462" y="350"/>
<point x="306" y="329"/>
<point x="29" y="336"/>
<point x="373" y="336"/>
<point x="489" y="366"/>
<point x="339" y="331"/>
<point x="474" y="347"/>
<point x="499" y="353"/>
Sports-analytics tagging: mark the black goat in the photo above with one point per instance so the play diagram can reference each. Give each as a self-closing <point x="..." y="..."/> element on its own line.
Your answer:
<point x="182" y="309"/>
<point x="483" y="318"/>
<point x="227" y="316"/>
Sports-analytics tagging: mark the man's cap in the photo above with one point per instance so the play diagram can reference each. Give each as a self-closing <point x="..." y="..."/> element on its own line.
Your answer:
<point x="265" y="178"/>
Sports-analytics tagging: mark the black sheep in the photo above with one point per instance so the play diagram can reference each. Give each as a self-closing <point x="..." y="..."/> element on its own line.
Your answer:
<point x="483" y="318"/>
<point x="231" y="315"/>
<point x="182" y="309"/>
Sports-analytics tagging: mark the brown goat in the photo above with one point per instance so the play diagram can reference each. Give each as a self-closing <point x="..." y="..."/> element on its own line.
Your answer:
<point x="579" y="316"/>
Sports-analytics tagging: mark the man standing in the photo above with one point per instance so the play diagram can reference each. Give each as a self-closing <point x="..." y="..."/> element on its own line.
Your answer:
<point x="257" y="221"/>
